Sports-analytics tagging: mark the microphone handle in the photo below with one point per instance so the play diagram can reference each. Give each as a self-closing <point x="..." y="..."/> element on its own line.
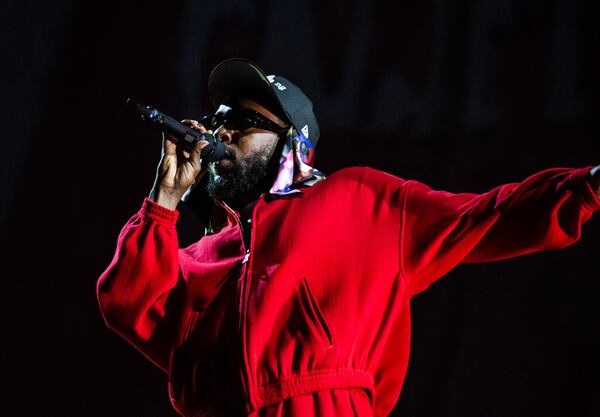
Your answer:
<point x="182" y="134"/>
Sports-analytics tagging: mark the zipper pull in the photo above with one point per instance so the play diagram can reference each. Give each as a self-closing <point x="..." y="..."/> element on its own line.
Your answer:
<point x="246" y="257"/>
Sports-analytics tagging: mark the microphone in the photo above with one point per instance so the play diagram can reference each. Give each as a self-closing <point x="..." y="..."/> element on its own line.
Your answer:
<point x="182" y="134"/>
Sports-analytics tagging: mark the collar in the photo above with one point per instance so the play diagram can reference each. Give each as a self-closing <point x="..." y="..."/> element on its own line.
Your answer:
<point x="295" y="165"/>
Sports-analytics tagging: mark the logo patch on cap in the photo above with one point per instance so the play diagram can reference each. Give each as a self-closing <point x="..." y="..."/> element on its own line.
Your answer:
<point x="279" y="86"/>
<point x="305" y="130"/>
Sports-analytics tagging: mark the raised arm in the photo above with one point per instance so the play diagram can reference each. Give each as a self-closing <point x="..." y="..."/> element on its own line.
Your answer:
<point x="141" y="293"/>
<point x="441" y="229"/>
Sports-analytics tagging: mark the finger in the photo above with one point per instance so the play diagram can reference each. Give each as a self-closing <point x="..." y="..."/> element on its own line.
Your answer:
<point x="182" y="155"/>
<point x="198" y="146"/>
<point x="191" y="122"/>
<point x="196" y="152"/>
<point x="169" y="145"/>
<point x="194" y="124"/>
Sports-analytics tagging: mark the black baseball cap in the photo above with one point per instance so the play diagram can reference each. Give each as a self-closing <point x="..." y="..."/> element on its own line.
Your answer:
<point x="238" y="77"/>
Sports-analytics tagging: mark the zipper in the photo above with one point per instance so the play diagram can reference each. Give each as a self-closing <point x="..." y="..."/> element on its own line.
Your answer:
<point x="240" y="309"/>
<point x="244" y="268"/>
<point x="244" y="294"/>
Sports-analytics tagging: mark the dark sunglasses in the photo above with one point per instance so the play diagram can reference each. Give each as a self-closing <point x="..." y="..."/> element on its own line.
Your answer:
<point x="240" y="120"/>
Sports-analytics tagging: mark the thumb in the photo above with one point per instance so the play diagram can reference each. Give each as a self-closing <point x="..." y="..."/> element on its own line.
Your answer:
<point x="196" y="153"/>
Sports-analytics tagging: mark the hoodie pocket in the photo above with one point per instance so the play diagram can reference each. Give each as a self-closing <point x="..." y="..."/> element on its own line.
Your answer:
<point x="313" y="313"/>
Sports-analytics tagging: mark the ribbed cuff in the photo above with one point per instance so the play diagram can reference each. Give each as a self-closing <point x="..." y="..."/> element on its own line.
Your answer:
<point x="157" y="213"/>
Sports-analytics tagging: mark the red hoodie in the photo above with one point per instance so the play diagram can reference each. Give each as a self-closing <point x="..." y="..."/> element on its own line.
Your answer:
<point x="321" y="299"/>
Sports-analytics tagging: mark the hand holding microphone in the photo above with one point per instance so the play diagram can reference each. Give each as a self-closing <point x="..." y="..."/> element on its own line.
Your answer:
<point x="185" y="145"/>
<point x="182" y="134"/>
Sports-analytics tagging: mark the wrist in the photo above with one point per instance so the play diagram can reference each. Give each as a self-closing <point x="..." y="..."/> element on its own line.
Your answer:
<point x="594" y="179"/>
<point x="165" y="197"/>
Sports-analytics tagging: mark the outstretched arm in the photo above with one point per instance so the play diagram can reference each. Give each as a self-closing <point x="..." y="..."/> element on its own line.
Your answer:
<point x="441" y="229"/>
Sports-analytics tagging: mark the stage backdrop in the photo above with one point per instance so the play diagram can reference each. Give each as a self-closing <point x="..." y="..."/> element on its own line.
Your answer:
<point x="462" y="95"/>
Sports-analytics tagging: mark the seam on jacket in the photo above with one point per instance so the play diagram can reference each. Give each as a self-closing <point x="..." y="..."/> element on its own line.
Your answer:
<point x="404" y="191"/>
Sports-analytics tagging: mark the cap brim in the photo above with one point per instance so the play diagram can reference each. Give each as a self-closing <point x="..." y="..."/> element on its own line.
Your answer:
<point x="237" y="78"/>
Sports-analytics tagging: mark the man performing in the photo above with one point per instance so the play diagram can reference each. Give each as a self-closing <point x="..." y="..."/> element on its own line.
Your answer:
<point x="296" y="302"/>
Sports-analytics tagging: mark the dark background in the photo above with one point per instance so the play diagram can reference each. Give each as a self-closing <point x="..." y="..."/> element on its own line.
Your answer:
<point x="462" y="95"/>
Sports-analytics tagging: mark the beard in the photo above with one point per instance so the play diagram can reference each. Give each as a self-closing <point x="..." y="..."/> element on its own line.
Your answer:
<point x="244" y="179"/>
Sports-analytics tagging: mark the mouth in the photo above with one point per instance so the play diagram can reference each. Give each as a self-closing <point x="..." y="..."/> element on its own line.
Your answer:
<point x="225" y="164"/>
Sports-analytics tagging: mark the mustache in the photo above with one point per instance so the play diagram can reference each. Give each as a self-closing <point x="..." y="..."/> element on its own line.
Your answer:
<point x="229" y="154"/>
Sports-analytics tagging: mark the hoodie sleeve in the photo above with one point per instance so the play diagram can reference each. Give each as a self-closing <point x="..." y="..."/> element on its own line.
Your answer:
<point x="440" y="229"/>
<point x="140" y="293"/>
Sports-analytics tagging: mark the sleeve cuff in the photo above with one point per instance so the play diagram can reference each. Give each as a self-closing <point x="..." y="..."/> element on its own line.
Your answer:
<point x="585" y="193"/>
<point x="155" y="212"/>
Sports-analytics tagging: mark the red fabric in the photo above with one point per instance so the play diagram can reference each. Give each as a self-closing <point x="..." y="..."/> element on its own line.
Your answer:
<point x="339" y="403"/>
<point x="322" y="305"/>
